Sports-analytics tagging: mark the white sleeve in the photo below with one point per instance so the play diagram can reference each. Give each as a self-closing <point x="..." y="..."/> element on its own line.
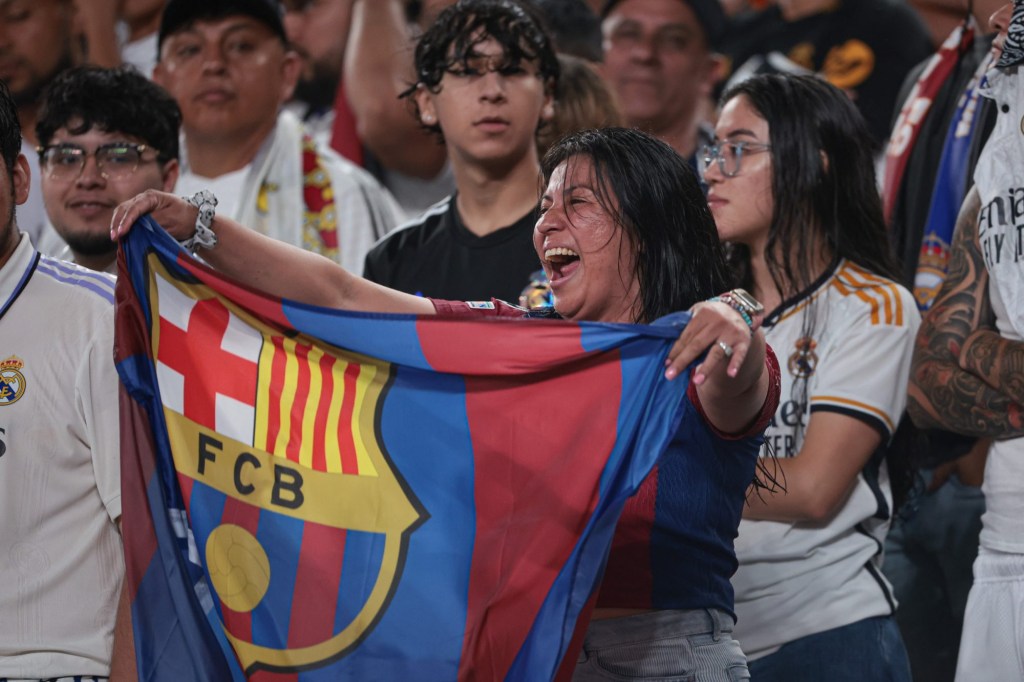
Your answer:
<point x="96" y="386"/>
<point x="865" y="374"/>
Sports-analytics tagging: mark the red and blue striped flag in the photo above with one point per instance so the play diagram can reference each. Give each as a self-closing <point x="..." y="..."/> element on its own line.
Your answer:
<point x="313" y="494"/>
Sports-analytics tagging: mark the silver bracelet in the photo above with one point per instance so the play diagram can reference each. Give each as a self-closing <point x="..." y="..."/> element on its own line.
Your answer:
<point x="204" y="236"/>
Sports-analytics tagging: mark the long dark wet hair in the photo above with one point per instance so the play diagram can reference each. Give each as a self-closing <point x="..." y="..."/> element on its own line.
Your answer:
<point x="655" y="197"/>
<point x="823" y="182"/>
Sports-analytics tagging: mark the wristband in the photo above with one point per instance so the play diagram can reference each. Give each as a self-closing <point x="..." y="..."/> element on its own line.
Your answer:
<point x="204" y="236"/>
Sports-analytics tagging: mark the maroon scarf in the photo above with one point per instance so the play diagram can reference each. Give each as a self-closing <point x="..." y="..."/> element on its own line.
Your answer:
<point x="915" y="109"/>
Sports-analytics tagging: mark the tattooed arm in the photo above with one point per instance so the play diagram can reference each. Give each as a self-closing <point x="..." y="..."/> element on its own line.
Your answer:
<point x="997" y="361"/>
<point x="942" y="393"/>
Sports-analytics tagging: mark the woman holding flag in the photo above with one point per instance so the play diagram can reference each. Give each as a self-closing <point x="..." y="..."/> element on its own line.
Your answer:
<point x="624" y="235"/>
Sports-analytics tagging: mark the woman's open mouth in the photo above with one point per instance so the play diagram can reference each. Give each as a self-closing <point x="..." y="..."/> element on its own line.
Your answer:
<point x="562" y="261"/>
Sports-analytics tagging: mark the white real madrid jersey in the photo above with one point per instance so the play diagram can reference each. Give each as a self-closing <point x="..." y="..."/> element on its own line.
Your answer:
<point x="797" y="579"/>
<point x="1002" y="524"/>
<point x="999" y="176"/>
<point x="61" y="562"/>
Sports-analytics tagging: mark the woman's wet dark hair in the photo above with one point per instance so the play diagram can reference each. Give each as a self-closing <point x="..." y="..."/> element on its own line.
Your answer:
<point x="823" y="180"/>
<point x="654" y="195"/>
<point x="448" y="45"/>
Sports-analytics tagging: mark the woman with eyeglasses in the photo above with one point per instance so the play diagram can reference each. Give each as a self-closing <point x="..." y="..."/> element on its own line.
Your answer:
<point x="792" y="190"/>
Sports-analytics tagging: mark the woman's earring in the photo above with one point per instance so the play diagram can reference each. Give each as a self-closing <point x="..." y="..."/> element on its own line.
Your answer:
<point x="428" y="119"/>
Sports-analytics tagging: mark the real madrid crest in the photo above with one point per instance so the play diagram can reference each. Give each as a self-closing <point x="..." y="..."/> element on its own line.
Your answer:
<point x="931" y="269"/>
<point x="804" y="360"/>
<point x="12" y="381"/>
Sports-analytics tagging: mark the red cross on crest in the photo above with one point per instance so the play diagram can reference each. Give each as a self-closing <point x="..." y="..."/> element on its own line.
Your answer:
<point x="197" y="353"/>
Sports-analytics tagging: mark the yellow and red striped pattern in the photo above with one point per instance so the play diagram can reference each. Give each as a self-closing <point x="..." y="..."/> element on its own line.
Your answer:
<point x="315" y="408"/>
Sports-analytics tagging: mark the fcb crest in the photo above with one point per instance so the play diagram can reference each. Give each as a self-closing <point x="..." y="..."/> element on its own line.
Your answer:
<point x="803" y="361"/>
<point x="12" y="381"/>
<point x="300" y="519"/>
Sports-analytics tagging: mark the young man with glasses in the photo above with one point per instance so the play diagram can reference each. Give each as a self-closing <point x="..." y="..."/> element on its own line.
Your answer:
<point x="105" y="135"/>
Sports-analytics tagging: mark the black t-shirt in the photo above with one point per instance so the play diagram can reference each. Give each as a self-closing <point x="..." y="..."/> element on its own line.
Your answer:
<point x="863" y="46"/>
<point x="437" y="256"/>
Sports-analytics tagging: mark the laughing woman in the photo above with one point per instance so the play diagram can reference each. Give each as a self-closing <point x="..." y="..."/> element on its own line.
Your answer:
<point x="792" y="188"/>
<point x="624" y="236"/>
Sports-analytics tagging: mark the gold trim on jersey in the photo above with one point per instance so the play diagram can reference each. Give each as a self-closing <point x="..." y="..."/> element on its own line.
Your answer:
<point x="881" y="294"/>
<point x="863" y="407"/>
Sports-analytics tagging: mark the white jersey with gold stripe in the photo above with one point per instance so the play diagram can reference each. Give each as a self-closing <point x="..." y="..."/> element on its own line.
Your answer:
<point x="797" y="579"/>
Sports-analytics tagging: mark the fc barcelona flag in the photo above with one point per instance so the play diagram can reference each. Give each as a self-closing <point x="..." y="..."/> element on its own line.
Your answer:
<point x="311" y="494"/>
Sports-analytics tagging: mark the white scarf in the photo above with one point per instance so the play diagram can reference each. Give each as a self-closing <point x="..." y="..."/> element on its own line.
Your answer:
<point x="271" y="201"/>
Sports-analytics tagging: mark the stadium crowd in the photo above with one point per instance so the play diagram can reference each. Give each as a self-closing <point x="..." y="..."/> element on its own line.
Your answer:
<point x="829" y="186"/>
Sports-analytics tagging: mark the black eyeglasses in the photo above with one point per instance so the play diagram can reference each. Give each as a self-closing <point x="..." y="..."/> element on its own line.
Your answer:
<point x="114" y="161"/>
<point x="729" y="155"/>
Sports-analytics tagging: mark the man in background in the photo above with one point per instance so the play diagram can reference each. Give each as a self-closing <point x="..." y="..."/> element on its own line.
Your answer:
<point x="36" y="43"/>
<point x="105" y="135"/>
<point x="318" y="32"/>
<point x="228" y="65"/>
<point x="659" y="57"/>
<point x="864" y="47"/>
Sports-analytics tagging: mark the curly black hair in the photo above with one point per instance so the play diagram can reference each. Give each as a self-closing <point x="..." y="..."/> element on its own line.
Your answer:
<point x="448" y="45"/>
<point x="118" y="100"/>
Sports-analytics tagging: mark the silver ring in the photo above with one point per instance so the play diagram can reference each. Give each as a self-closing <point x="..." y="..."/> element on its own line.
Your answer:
<point x="726" y="349"/>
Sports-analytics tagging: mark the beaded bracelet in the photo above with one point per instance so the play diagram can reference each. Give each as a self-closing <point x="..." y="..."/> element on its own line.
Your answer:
<point x="746" y="305"/>
<point x="743" y="313"/>
<point x="204" y="236"/>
